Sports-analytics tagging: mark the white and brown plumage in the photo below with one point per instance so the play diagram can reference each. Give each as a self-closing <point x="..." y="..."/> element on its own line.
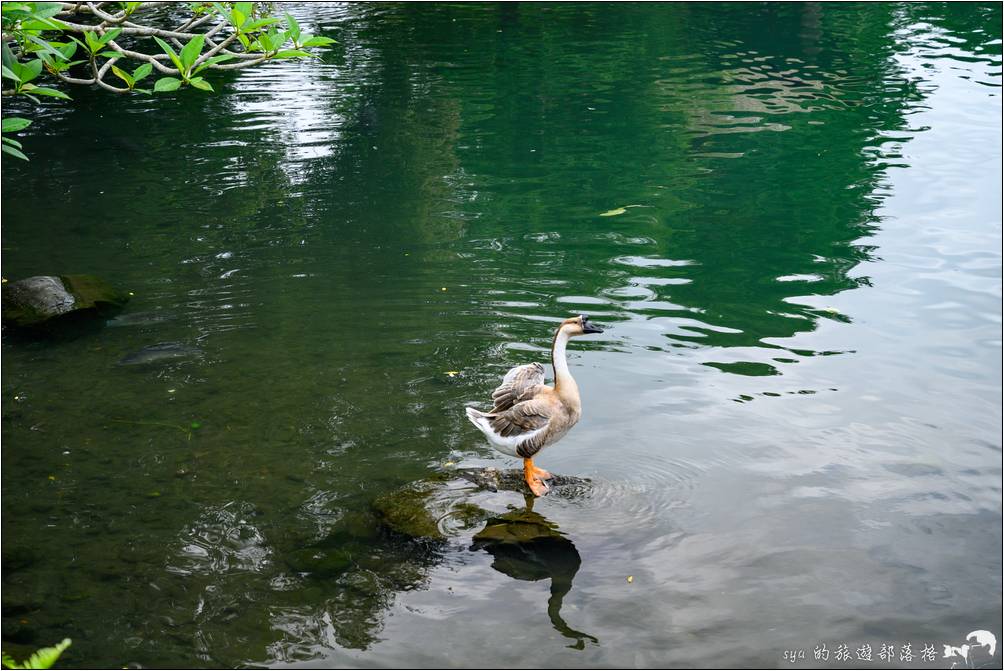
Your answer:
<point x="528" y="415"/>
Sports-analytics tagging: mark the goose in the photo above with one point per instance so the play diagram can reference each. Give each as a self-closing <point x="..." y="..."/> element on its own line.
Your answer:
<point x="527" y="415"/>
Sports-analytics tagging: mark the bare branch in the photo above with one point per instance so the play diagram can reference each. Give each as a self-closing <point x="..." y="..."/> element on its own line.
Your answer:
<point x="109" y="87"/>
<point x="108" y="18"/>
<point x="152" y="59"/>
<point x="194" y="22"/>
<point x="131" y="28"/>
<point x="238" y="66"/>
<point x="74" y="80"/>
<point x="215" y="50"/>
<point x="128" y="29"/>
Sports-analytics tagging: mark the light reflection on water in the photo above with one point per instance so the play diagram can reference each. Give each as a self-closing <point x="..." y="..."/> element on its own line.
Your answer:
<point x="792" y="424"/>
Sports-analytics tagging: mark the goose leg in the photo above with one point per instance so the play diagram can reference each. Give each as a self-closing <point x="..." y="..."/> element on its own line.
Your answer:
<point x="535" y="478"/>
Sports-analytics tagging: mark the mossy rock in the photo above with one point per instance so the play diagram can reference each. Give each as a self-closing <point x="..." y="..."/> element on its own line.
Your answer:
<point x="406" y="510"/>
<point x="511" y="480"/>
<point x="35" y="301"/>
<point x="441" y="505"/>
<point x="434" y="508"/>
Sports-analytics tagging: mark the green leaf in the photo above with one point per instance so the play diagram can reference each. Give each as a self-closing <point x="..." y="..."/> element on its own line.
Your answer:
<point x="237" y="18"/>
<point x="292" y="53"/>
<point x="191" y="51"/>
<point x="141" y="72"/>
<point x="46" y="657"/>
<point x="7" y="55"/>
<point x="15" y="153"/>
<point x="66" y="50"/>
<point x="200" y="83"/>
<point x="11" y="141"/>
<point x="294" y="27"/>
<point x="13" y="124"/>
<point x="94" y="43"/>
<point x="9" y="74"/>
<point x="260" y="23"/>
<point x="212" y="60"/>
<point x="52" y="93"/>
<point x="109" y="36"/>
<point x="171" y="54"/>
<point x="124" y="76"/>
<point x="45" y="47"/>
<point x="30" y="70"/>
<point x="318" y="41"/>
<point x="42" y="24"/>
<point x="44" y="10"/>
<point x="167" y="84"/>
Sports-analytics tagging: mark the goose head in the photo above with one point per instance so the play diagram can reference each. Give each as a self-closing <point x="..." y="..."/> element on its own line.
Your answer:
<point x="577" y="326"/>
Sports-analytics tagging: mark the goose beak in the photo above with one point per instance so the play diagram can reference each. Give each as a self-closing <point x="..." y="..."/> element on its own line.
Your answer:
<point x="589" y="327"/>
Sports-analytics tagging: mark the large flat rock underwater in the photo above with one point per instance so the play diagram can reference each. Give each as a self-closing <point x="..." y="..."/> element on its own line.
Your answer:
<point x="459" y="502"/>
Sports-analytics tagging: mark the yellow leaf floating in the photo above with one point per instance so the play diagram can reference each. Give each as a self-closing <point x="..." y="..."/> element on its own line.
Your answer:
<point x="618" y="210"/>
<point x="453" y="373"/>
<point x="630" y="578"/>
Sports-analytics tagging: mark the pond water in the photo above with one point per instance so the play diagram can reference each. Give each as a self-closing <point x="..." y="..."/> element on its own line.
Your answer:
<point x="787" y="217"/>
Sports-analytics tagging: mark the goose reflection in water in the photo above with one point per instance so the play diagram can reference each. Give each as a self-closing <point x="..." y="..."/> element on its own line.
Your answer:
<point x="527" y="546"/>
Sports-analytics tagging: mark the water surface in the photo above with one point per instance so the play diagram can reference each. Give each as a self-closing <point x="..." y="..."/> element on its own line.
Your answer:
<point x="792" y="423"/>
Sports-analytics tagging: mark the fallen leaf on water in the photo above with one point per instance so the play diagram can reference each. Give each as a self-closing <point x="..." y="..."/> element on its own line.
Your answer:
<point x="630" y="578"/>
<point x="450" y="463"/>
<point x="618" y="210"/>
<point x="453" y="373"/>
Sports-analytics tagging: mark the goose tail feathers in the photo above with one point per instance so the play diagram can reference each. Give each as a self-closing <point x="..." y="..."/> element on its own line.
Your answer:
<point x="476" y="417"/>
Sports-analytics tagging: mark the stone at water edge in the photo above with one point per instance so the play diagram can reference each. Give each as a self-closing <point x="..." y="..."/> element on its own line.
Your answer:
<point x="432" y="507"/>
<point x="33" y="301"/>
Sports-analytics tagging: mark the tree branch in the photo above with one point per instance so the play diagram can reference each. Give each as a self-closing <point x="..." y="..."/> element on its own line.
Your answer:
<point x="152" y="59"/>
<point x="107" y="18"/>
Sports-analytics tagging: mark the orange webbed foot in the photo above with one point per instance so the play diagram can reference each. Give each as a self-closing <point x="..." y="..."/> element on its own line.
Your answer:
<point x="535" y="478"/>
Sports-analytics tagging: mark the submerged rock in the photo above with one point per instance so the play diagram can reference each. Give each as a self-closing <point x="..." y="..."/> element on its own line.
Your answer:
<point x="35" y="301"/>
<point x="149" y="318"/>
<point x="419" y="509"/>
<point x="160" y="352"/>
<point x="511" y="480"/>
<point x="449" y="504"/>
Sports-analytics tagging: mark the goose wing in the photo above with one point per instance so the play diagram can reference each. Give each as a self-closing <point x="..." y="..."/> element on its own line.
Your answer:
<point x="526" y="424"/>
<point x="517" y="385"/>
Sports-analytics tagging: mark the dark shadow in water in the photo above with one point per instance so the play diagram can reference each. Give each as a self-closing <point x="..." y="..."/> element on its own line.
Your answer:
<point x="528" y="546"/>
